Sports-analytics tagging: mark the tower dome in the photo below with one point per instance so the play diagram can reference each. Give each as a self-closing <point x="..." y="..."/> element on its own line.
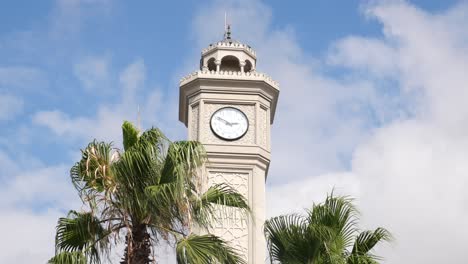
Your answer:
<point x="229" y="59"/>
<point x="228" y="55"/>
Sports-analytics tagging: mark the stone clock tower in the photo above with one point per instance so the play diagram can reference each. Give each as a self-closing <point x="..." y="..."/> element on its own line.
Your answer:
<point x="229" y="107"/>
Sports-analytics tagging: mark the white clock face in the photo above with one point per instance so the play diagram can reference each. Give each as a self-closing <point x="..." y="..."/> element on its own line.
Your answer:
<point x="229" y="123"/>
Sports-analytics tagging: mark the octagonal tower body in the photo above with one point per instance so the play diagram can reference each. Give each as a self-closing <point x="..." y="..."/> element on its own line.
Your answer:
<point x="228" y="78"/>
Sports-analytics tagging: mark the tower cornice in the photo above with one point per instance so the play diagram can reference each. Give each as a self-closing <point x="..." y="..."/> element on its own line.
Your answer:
<point x="231" y="45"/>
<point x="230" y="75"/>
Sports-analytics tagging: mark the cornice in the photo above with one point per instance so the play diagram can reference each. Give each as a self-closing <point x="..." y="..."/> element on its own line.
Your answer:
<point x="229" y="46"/>
<point x="230" y="75"/>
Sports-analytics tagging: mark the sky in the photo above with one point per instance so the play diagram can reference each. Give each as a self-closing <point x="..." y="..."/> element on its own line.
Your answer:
<point x="373" y="94"/>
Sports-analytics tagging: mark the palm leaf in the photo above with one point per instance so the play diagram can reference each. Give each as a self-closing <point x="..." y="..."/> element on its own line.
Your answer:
<point x="81" y="232"/>
<point x="220" y="200"/>
<point x="182" y="160"/>
<point x="364" y="243"/>
<point x="76" y="257"/>
<point x="340" y="216"/>
<point x="130" y="135"/>
<point x="93" y="172"/>
<point x="196" y="249"/>
<point x="291" y="239"/>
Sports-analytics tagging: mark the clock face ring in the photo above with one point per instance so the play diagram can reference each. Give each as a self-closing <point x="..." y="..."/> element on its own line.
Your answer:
<point x="229" y="123"/>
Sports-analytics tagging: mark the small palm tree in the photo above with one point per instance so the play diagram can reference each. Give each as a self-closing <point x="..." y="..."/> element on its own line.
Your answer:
<point x="147" y="193"/>
<point x="327" y="234"/>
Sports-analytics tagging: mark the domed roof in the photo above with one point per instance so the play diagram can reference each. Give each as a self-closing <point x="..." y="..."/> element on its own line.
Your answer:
<point x="228" y="43"/>
<point x="229" y="59"/>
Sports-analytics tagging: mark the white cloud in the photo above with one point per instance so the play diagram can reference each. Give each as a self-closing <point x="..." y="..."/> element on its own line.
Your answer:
<point x="295" y="196"/>
<point x="132" y="79"/>
<point x="108" y="118"/>
<point x="22" y="79"/>
<point x="156" y="110"/>
<point x="10" y="106"/>
<point x="30" y="236"/>
<point x="48" y="191"/>
<point x="68" y="15"/>
<point x="382" y="55"/>
<point x="93" y="73"/>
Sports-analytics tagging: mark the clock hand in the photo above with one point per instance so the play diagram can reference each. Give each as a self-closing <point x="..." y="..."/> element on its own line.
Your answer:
<point x="221" y="119"/>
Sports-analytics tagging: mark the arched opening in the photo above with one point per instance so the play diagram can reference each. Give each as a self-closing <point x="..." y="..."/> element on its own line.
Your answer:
<point x="248" y="66"/>
<point x="230" y="63"/>
<point x="211" y="64"/>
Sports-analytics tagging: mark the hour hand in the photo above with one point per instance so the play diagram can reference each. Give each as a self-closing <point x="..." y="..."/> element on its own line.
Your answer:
<point x="225" y="122"/>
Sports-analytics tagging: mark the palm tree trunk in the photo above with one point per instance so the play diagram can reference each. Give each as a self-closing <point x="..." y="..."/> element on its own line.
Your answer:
<point x="138" y="247"/>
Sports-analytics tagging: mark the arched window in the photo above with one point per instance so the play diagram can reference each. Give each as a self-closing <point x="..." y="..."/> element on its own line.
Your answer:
<point x="230" y="63"/>
<point x="248" y="66"/>
<point x="211" y="64"/>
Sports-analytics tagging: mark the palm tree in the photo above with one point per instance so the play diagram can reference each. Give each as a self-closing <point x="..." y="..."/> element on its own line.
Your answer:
<point x="147" y="193"/>
<point x="327" y="234"/>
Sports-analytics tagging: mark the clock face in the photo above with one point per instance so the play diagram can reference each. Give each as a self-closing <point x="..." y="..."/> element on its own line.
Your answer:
<point x="229" y="123"/>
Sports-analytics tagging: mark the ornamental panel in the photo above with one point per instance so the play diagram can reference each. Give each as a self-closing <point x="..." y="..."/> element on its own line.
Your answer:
<point x="231" y="224"/>
<point x="194" y="122"/>
<point x="262" y="127"/>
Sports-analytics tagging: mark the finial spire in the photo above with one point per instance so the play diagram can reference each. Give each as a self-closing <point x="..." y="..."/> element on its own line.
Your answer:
<point x="227" y="28"/>
<point x="228" y="32"/>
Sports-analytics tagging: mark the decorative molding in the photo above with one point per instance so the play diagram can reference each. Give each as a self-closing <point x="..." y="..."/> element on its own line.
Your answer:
<point x="230" y="45"/>
<point x="231" y="75"/>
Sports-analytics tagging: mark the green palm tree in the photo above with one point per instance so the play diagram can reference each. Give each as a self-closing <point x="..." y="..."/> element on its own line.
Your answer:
<point x="327" y="234"/>
<point x="147" y="193"/>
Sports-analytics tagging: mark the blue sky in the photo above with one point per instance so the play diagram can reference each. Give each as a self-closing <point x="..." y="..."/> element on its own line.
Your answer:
<point x="50" y="37"/>
<point x="372" y="92"/>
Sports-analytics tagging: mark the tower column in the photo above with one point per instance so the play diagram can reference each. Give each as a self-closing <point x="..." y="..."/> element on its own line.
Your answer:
<point x="218" y="65"/>
<point x="242" y="65"/>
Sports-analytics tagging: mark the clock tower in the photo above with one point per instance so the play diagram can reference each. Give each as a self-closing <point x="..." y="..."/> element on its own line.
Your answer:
<point x="229" y="107"/>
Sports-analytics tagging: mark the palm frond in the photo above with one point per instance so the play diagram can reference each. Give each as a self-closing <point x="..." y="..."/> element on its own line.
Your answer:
<point x="223" y="194"/>
<point x="76" y="257"/>
<point x="182" y="160"/>
<point x="93" y="172"/>
<point x="155" y="137"/>
<point x="340" y="215"/>
<point x="220" y="200"/>
<point x="286" y="240"/>
<point x="196" y="249"/>
<point x="365" y="242"/>
<point x="81" y="232"/>
<point x="130" y="135"/>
